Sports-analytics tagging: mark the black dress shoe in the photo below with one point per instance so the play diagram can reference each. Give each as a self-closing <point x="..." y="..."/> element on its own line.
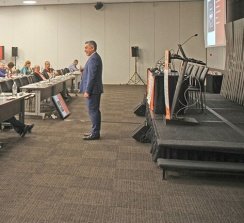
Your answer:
<point x="92" y="137"/>
<point x="25" y="130"/>
<point x="30" y="127"/>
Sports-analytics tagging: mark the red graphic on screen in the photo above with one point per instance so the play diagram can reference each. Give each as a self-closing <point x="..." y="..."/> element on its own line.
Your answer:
<point x="219" y="22"/>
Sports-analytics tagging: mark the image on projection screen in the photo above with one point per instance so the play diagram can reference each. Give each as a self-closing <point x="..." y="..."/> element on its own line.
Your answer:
<point x="216" y="17"/>
<point x="211" y="22"/>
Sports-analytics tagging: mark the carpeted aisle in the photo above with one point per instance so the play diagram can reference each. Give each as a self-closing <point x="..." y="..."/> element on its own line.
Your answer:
<point x="52" y="175"/>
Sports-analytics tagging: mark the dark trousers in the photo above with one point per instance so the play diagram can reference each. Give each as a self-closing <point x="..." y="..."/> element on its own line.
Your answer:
<point x="17" y="125"/>
<point x="93" y="104"/>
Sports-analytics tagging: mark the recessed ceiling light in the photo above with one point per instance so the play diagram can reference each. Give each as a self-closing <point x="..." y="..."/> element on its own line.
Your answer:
<point x="29" y="2"/>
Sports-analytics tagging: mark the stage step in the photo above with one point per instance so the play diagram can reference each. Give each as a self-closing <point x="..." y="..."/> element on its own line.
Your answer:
<point x="229" y="167"/>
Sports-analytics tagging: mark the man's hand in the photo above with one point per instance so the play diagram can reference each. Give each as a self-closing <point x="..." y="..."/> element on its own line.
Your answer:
<point x="86" y="95"/>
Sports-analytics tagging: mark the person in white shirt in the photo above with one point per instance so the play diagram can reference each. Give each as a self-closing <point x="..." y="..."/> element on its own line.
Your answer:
<point x="73" y="66"/>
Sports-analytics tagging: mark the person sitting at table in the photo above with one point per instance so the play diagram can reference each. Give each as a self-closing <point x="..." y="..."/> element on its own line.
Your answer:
<point x="19" y="126"/>
<point x="48" y="72"/>
<point x="11" y="69"/>
<point x="38" y="74"/>
<point x="26" y="69"/>
<point x="3" y="70"/>
<point x="73" y="66"/>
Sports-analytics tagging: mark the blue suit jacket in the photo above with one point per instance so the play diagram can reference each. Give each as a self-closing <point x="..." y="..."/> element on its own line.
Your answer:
<point x="92" y="76"/>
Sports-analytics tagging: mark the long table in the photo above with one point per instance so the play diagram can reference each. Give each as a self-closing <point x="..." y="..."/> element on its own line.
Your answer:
<point x="46" y="89"/>
<point x="11" y="106"/>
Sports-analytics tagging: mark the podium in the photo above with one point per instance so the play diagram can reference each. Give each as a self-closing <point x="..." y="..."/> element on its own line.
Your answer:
<point x="155" y="91"/>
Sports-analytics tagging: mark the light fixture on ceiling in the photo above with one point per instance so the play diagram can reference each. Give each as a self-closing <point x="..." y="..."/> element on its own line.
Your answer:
<point x="29" y="2"/>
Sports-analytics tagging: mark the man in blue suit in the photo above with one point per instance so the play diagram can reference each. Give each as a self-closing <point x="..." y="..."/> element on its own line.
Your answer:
<point x="92" y="87"/>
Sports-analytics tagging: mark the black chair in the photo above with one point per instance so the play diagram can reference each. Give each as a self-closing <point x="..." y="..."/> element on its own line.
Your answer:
<point x="62" y="71"/>
<point x="4" y="86"/>
<point x="29" y="77"/>
<point x="188" y="69"/>
<point x="66" y="70"/>
<point x="9" y="84"/>
<point x="193" y="74"/>
<point x="198" y="75"/>
<point x="24" y="81"/>
<point x="197" y="91"/>
<point x="34" y="79"/>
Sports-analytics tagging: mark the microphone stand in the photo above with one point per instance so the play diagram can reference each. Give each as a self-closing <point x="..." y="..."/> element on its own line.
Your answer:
<point x="188" y="39"/>
<point x="178" y="91"/>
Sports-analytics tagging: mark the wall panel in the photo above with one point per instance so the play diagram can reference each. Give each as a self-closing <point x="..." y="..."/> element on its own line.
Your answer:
<point x="191" y="22"/>
<point x="142" y="35"/>
<point x="116" y="44"/>
<point x="69" y="29"/>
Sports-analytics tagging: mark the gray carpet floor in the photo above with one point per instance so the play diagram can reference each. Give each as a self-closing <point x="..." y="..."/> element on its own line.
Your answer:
<point x="52" y="175"/>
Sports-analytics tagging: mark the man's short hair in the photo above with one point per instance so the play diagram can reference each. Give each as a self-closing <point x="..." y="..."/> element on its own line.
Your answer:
<point x="92" y="43"/>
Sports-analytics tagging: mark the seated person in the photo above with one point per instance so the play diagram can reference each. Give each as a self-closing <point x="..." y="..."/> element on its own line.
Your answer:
<point x="11" y="69"/>
<point x="38" y="74"/>
<point x="73" y="66"/>
<point x="20" y="127"/>
<point x="3" y="70"/>
<point x="48" y="72"/>
<point x="26" y="69"/>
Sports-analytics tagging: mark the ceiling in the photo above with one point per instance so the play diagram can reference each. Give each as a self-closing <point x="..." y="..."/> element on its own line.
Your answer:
<point x="56" y="2"/>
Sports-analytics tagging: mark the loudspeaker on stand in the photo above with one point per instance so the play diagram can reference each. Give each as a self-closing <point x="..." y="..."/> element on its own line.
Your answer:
<point x="14" y="51"/>
<point x="135" y="51"/>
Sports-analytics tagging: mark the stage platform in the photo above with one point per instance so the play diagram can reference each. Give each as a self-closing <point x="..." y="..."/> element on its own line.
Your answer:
<point x="219" y="136"/>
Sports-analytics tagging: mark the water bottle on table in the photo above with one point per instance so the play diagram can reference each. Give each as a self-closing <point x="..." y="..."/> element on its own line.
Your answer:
<point x="14" y="89"/>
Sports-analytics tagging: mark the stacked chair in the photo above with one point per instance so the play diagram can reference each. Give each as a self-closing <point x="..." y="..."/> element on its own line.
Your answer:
<point x="195" y="92"/>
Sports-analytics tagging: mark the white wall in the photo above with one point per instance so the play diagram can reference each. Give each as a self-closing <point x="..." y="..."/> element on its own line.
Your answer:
<point x="216" y="57"/>
<point x="58" y="32"/>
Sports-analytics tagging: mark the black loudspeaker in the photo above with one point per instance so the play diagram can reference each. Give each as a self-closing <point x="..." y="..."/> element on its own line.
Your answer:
<point x="140" y="134"/>
<point x="14" y="51"/>
<point x="140" y="109"/>
<point x="135" y="51"/>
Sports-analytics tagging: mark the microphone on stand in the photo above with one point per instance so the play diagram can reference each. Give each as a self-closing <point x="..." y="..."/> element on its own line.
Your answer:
<point x="188" y="39"/>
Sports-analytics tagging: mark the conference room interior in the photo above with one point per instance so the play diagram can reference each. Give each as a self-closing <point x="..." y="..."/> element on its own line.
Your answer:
<point x="162" y="157"/>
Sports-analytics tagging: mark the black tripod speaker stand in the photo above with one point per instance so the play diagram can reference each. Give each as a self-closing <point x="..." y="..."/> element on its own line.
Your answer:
<point x="135" y="78"/>
<point x="14" y="54"/>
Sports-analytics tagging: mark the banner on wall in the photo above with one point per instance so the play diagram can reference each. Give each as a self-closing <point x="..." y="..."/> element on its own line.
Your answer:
<point x="1" y="52"/>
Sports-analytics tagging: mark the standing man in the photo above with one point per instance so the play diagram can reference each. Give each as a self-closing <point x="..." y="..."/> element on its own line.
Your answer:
<point x="91" y="86"/>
